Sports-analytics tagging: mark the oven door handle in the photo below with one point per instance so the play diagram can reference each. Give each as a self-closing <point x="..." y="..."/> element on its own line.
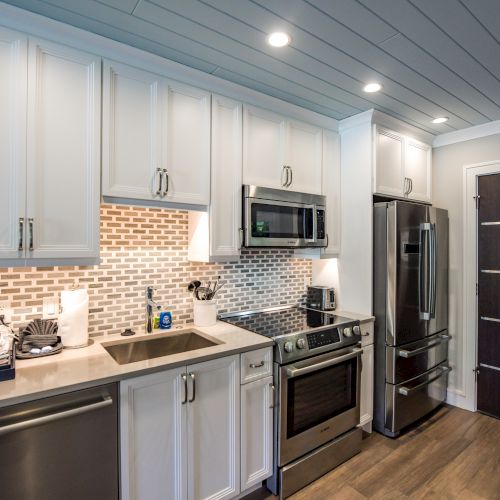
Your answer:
<point x="292" y="371"/>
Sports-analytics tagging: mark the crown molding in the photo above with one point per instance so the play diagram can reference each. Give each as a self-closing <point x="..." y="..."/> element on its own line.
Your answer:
<point x="467" y="134"/>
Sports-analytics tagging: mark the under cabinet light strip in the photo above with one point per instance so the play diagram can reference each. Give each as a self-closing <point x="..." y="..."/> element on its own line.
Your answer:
<point x="490" y="223"/>
<point x="490" y="319"/>
<point x="490" y="271"/>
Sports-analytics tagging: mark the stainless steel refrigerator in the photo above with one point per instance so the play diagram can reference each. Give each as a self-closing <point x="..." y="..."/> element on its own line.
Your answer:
<point x="410" y="302"/>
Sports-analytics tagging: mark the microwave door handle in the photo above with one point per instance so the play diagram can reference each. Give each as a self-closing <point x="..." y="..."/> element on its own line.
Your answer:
<point x="293" y="371"/>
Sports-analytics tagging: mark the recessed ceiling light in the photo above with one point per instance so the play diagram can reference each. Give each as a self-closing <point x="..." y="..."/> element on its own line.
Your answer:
<point x="441" y="119"/>
<point x="278" y="39"/>
<point x="372" y="87"/>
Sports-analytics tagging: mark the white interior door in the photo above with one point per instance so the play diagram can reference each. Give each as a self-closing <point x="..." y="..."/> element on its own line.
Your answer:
<point x="418" y="169"/>
<point x="264" y="135"/>
<point x="132" y="132"/>
<point x="213" y="429"/>
<point x="389" y="163"/>
<point x="63" y="159"/>
<point x="13" y="87"/>
<point x="187" y="143"/>
<point x="153" y="437"/>
<point x="304" y="156"/>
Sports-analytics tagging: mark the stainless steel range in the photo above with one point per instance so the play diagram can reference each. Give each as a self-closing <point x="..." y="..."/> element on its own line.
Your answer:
<point x="317" y="366"/>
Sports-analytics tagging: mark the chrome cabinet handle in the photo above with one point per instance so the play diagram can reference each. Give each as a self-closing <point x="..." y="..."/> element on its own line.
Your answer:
<point x="27" y="424"/>
<point x="291" y="177"/>
<point x="21" y="234"/>
<point x="253" y="365"/>
<point x="408" y="391"/>
<point x="273" y="394"/>
<point x="193" y="378"/>
<point x="165" y="173"/>
<point x="30" y="225"/>
<point x="405" y="187"/>
<point x="158" y="174"/>
<point x="185" y="380"/>
<point x="284" y="170"/>
<point x="411" y="185"/>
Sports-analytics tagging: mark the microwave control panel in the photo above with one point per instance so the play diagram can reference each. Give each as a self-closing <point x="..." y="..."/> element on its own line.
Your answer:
<point x="320" y="218"/>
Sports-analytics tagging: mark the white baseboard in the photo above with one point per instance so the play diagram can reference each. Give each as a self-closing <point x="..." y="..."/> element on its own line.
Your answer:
<point x="455" y="399"/>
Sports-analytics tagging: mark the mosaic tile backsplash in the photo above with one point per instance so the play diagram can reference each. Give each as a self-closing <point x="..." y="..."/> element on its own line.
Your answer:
<point x="148" y="246"/>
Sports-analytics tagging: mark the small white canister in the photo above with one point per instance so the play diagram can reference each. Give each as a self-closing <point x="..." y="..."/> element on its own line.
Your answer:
<point x="204" y="312"/>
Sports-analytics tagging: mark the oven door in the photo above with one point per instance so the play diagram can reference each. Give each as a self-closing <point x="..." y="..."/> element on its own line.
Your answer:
<point x="279" y="224"/>
<point x="319" y="400"/>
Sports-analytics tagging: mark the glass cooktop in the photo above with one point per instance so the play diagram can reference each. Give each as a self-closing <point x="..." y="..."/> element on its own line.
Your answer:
<point x="280" y="322"/>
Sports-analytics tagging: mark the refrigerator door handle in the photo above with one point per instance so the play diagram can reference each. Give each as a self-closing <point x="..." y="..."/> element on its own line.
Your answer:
<point x="424" y="271"/>
<point x="432" y="263"/>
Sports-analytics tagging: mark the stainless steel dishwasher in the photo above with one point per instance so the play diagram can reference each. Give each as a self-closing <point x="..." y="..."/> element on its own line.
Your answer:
<point x="62" y="447"/>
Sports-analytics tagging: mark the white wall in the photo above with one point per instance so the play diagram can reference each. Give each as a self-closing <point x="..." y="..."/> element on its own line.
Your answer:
<point x="448" y="192"/>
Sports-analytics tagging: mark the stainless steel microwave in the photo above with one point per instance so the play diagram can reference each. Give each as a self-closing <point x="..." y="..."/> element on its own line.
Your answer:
<point x="279" y="218"/>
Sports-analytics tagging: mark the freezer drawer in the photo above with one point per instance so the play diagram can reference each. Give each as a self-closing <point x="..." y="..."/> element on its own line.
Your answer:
<point x="62" y="447"/>
<point x="411" y="400"/>
<point x="409" y="361"/>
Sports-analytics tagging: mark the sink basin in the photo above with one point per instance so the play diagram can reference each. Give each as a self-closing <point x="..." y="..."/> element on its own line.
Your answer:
<point x="154" y="346"/>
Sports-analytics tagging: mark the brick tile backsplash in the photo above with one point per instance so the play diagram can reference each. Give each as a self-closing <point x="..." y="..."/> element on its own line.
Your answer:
<point x="148" y="246"/>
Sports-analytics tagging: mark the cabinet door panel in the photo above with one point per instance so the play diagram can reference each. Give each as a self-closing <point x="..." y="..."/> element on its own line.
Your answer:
<point x="213" y="430"/>
<point x="63" y="162"/>
<point x="256" y="432"/>
<point x="331" y="189"/>
<point x="418" y="169"/>
<point x="367" y="374"/>
<point x="389" y="163"/>
<point x="187" y="143"/>
<point x="263" y="147"/>
<point x="304" y="156"/>
<point x="13" y="85"/>
<point x="132" y="131"/>
<point x="153" y="437"/>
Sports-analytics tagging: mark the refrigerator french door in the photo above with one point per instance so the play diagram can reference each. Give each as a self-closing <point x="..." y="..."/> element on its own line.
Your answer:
<point x="411" y="311"/>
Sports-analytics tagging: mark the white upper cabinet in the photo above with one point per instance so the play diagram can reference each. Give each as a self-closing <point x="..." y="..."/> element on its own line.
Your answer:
<point x="156" y="138"/>
<point x="402" y="166"/>
<point x="49" y="151"/>
<point x="263" y="148"/>
<point x="281" y="153"/>
<point x="304" y="157"/>
<point x="215" y="235"/>
<point x="389" y="163"/>
<point x="331" y="189"/>
<point x="63" y="152"/>
<point x="13" y="87"/>
<point x="418" y="170"/>
<point x="132" y="132"/>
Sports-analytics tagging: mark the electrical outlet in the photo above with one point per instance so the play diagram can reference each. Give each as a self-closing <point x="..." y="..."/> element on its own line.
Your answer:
<point x="5" y="311"/>
<point x="50" y="307"/>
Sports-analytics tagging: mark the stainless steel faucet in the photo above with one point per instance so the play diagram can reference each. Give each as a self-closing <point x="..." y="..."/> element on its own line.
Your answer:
<point x="151" y="305"/>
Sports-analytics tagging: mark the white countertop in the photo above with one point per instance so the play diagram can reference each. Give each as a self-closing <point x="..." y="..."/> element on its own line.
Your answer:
<point x="75" y="369"/>
<point x="362" y="318"/>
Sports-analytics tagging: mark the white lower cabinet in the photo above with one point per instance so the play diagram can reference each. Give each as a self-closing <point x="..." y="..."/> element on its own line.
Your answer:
<point x="180" y="433"/>
<point x="367" y="375"/>
<point x="257" y="401"/>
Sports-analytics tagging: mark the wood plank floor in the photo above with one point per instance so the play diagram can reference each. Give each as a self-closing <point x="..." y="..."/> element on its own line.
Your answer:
<point x="453" y="455"/>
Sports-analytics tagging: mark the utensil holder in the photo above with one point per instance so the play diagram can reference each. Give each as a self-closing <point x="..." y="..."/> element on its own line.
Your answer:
<point x="205" y="312"/>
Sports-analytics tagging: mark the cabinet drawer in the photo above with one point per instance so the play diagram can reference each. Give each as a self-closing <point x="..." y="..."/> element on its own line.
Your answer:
<point x="366" y="333"/>
<point x="256" y="364"/>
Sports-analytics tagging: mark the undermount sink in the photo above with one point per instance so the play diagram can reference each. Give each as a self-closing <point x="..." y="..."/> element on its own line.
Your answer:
<point x="155" y="346"/>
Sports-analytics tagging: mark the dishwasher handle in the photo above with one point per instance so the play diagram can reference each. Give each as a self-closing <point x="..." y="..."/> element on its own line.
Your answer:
<point x="54" y="417"/>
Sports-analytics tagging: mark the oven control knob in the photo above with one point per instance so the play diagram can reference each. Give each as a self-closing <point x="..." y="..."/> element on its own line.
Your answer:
<point x="356" y="330"/>
<point x="301" y="344"/>
<point x="288" y="347"/>
<point x="347" y="332"/>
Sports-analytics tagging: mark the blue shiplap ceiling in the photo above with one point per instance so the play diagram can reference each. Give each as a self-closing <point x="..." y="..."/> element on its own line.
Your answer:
<point x="433" y="57"/>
